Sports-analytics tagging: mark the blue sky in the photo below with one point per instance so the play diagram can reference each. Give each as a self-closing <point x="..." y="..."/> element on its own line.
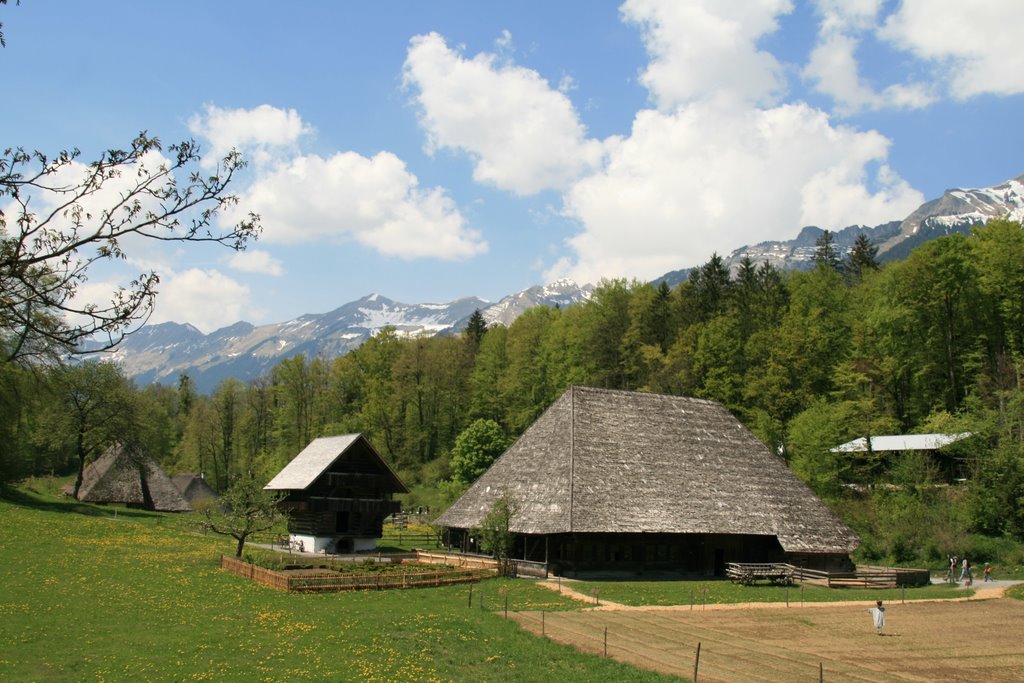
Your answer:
<point x="429" y="151"/>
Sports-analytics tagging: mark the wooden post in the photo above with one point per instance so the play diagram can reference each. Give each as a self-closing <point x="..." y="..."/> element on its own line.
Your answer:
<point x="470" y="596"/>
<point x="605" y="641"/>
<point x="821" y="672"/>
<point x="696" y="663"/>
<point x="543" y="630"/>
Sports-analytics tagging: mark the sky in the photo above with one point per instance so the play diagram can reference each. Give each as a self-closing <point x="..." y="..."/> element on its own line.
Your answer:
<point x="429" y="151"/>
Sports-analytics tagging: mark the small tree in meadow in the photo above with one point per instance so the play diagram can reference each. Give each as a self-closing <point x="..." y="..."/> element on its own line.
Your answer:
<point x="495" y="535"/>
<point x="244" y="509"/>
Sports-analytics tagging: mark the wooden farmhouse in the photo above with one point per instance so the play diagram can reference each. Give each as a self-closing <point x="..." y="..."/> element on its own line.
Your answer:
<point x="337" y="493"/>
<point x="615" y="479"/>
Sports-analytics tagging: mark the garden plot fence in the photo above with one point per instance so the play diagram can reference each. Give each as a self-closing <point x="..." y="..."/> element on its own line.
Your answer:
<point x="315" y="580"/>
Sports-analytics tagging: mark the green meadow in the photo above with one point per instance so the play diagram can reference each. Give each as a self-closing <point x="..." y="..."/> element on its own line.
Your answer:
<point x="109" y="594"/>
<point x="85" y="595"/>
<point x="698" y="593"/>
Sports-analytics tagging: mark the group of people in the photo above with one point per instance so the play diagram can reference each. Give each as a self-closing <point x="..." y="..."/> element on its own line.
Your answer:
<point x="966" y="575"/>
<point x="966" y="578"/>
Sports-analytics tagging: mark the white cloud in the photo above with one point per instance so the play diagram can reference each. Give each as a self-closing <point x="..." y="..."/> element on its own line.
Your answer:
<point x="976" y="45"/>
<point x="708" y="49"/>
<point x="375" y="201"/>
<point x="523" y="135"/>
<point x="707" y="178"/>
<point x="834" y="70"/>
<point x="967" y="49"/>
<point x="256" y="261"/>
<point x="260" y="132"/>
<point x="207" y="299"/>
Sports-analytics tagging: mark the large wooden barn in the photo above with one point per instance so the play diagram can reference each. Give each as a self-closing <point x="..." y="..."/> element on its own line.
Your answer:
<point x="616" y="479"/>
<point x="337" y="492"/>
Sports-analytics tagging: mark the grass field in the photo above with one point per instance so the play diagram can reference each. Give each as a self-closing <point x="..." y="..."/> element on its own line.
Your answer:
<point x="646" y="593"/>
<point x="87" y="596"/>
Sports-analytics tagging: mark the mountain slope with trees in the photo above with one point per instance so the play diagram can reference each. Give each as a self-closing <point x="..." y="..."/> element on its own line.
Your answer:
<point x="807" y="360"/>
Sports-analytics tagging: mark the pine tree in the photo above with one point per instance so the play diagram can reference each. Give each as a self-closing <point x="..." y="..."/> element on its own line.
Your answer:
<point x="476" y="328"/>
<point x="825" y="253"/>
<point x="862" y="257"/>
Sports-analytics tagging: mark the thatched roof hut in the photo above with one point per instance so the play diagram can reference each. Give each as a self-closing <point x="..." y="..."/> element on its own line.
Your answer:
<point x="127" y="475"/>
<point x="601" y="462"/>
<point x="193" y="487"/>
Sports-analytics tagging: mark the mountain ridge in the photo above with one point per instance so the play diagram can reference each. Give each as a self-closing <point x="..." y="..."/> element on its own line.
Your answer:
<point x="160" y="352"/>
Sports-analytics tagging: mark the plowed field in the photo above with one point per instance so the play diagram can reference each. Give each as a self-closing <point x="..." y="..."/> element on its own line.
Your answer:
<point x="981" y="640"/>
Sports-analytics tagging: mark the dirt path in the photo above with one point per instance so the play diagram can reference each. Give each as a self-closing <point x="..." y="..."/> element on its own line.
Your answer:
<point x="980" y="638"/>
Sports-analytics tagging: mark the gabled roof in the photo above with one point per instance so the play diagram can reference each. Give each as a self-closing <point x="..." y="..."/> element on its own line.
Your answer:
<point x="318" y="457"/>
<point x="126" y="475"/>
<point x="600" y="461"/>
<point x="192" y="486"/>
<point x="900" y="442"/>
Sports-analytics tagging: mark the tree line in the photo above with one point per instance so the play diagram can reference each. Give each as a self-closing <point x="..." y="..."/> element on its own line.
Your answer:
<point x="806" y="359"/>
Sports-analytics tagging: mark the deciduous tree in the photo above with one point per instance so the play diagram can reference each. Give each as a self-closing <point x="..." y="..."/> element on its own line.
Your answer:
<point x="476" y="448"/>
<point x="59" y="219"/>
<point x="243" y="510"/>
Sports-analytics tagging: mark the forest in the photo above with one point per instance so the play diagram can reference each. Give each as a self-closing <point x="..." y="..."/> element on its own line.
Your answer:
<point x="807" y="360"/>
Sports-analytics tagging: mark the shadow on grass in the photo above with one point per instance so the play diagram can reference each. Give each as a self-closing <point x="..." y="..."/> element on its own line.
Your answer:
<point x="29" y="499"/>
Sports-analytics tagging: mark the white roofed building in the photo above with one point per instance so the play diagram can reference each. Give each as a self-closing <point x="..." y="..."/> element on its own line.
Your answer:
<point x="337" y="493"/>
<point x="900" y="442"/>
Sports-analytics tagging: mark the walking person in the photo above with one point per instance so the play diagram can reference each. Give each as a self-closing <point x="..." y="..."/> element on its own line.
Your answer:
<point x="963" y="569"/>
<point x="878" y="616"/>
<point x="988" y="572"/>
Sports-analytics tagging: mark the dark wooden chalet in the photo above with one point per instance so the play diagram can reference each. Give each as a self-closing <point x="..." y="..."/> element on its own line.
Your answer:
<point x="338" y="492"/>
<point x="616" y="479"/>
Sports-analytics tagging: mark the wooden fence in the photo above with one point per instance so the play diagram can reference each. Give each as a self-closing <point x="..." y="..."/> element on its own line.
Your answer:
<point x="457" y="559"/>
<point x="863" y="577"/>
<point x="401" y="538"/>
<point x="315" y="580"/>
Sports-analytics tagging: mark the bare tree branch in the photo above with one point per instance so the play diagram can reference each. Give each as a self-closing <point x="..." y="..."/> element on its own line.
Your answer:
<point x="46" y="257"/>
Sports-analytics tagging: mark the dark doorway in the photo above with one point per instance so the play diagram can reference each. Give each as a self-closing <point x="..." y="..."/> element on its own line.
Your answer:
<point x="719" y="562"/>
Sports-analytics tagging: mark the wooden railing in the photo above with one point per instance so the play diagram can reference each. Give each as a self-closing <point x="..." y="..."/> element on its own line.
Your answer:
<point x="863" y="577"/>
<point x="457" y="559"/>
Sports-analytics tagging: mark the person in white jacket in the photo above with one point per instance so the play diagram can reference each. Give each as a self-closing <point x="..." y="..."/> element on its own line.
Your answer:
<point x="878" y="616"/>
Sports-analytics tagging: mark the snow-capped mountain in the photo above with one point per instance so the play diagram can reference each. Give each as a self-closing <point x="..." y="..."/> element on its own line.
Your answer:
<point x="244" y="351"/>
<point x="957" y="210"/>
<point x="557" y="294"/>
<point x="160" y="352"/>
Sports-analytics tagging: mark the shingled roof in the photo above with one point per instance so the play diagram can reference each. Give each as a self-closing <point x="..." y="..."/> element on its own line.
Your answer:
<point x="318" y="457"/>
<point x="601" y="461"/>
<point x="193" y="487"/>
<point x="126" y="475"/>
